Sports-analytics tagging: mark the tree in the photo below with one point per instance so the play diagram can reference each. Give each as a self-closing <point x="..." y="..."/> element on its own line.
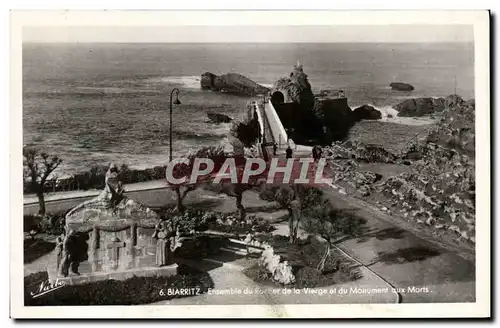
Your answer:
<point x="294" y="198"/>
<point x="235" y="190"/>
<point x="330" y="223"/>
<point x="37" y="168"/>
<point x="216" y="153"/>
<point x="247" y="131"/>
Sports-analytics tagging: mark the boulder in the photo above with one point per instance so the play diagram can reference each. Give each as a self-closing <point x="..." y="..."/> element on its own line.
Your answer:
<point x="367" y="112"/>
<point x="400" y="86"/>
<point x="219" y="118"/>
<point x="207" y="80"/>
<point x="231" y="83"/>
<point x="336" y="117"/>
<point x="419" y="107"/>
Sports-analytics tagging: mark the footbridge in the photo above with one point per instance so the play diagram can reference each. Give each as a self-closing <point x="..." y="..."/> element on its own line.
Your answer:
<point x="273" y="131"/>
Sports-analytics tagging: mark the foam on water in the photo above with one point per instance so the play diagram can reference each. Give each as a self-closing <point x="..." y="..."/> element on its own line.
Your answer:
<point x="389" y="114"/>
<point x="188" y="81"/>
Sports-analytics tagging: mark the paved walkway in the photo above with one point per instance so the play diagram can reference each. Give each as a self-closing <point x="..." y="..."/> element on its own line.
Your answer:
<point x="65" y="195"/>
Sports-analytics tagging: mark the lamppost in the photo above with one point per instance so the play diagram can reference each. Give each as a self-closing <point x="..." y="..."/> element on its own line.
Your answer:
<point x="176" y="102"/>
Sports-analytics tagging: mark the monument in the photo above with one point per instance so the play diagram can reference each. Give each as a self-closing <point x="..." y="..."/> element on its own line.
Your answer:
<point x="113" y="237"/>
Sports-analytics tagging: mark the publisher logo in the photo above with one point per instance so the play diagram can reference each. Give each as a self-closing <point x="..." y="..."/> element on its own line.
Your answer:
<point x="46" y="287"/>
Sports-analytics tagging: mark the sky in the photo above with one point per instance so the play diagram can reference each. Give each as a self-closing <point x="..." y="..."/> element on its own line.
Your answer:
<point x="249" y="34"/>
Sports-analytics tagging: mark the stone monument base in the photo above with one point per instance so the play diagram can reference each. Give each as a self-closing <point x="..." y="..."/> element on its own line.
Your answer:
<point x="72" y="279"/>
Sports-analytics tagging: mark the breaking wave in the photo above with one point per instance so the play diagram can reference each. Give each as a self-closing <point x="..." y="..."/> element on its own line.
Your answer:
<point x="188" y="82"/>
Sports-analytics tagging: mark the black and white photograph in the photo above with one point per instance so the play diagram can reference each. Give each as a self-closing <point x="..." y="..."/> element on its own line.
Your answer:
<point x="286" y="169"/>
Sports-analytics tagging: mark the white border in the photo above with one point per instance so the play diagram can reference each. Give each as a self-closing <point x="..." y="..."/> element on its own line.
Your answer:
<point x="480" y="21"/>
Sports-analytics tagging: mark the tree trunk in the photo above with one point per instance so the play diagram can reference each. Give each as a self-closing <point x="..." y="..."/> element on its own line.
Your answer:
<point x="180" y="206"/>
<point x="321" y="264"/>
<point x="290" y="226"/>
<point x="41" y="203"/>
<point x="239" y="205"/>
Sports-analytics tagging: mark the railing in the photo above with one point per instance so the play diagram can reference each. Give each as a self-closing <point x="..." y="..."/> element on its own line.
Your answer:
<point x="95" y="180"/>
<point x="277" y="130"/>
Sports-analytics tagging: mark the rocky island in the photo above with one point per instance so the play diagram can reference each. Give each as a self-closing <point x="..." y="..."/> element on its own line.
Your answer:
<point x="400" y="86"/>
<point x="231" y="83"/>
<point x="420" y="106"/>
<point x="218" y="118"/>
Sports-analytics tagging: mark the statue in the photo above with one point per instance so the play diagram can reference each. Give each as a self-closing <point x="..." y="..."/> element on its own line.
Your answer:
<point x="67" y="259"/>
<point x="72" y="251"/>
<point x="165" y="235"/>
<point x="114" y="187"/>
<point x="59" y="249"/>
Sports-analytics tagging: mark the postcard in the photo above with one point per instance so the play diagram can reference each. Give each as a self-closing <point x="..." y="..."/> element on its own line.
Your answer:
<point x="250" y="164"/>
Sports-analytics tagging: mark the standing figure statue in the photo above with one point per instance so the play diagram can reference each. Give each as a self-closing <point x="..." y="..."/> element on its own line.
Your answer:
<point x="59" y="250"/>
<point x="164" y="233"/>
<point x="114" y="187"/>
<point x="67" y="256"/>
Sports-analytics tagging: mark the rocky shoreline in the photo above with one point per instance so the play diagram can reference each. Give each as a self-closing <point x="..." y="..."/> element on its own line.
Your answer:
<point x="438" y="189"/>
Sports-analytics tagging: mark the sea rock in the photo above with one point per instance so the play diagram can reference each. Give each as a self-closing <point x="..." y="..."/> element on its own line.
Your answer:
<point x="207" y="80"/>
<point x="419" y="107"/>
<point x="400" y="86"/>
<point x="231" y="83"/>
<point x="454" y="101"/>
<point x="296" y="88"/>
<point x="219" y="118"/>
<point x="367" y="112"/>
<point x="336" y="117"/>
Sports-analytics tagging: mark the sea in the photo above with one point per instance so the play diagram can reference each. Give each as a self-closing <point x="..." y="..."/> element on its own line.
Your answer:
<point x="92" y="104"/>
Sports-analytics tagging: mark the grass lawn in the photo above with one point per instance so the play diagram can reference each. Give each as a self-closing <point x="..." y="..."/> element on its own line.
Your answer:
<point x="36" y="248"/>
<point x="133" y="291"/>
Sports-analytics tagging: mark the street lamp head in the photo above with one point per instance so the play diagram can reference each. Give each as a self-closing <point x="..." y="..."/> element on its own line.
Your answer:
<point x="176" y="101"/>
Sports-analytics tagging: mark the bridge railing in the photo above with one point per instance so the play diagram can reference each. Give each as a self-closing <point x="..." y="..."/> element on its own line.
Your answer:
<point x="277" y="128"/>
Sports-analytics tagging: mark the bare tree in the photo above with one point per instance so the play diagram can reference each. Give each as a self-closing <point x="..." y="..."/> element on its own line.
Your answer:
<point x="184" y="170"/>
<point x="235" y="190"/>
<point x="37" y="168"/>
<point x="330" y="223"/>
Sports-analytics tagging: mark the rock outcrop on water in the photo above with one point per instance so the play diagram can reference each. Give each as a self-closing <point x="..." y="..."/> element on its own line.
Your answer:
<point x="310" y="119"/>
<point x="367" y="112"/>
<point x="335" y="116"/>
<point x="420" y="106"/>
<point x="219" y="118"/>
<point x="400" y="86"/>
<point x="296" y="88"/>
<point x="231" y="83"/>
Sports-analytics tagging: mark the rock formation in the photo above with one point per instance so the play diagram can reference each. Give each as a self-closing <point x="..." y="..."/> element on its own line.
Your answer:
<point x="438" y="189"/>
<point x="296" y="87"/>
<point x="358" y="151"/>
<point x="400" y="86"/>
<point x="420" y="106"/>
<point x="219" y="118"/>
<point x="231" y="83"/>
<point x="367" y="112"/>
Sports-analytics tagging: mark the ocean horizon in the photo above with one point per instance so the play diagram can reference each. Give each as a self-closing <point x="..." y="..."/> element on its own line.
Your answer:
<point x="95" y="103"/>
